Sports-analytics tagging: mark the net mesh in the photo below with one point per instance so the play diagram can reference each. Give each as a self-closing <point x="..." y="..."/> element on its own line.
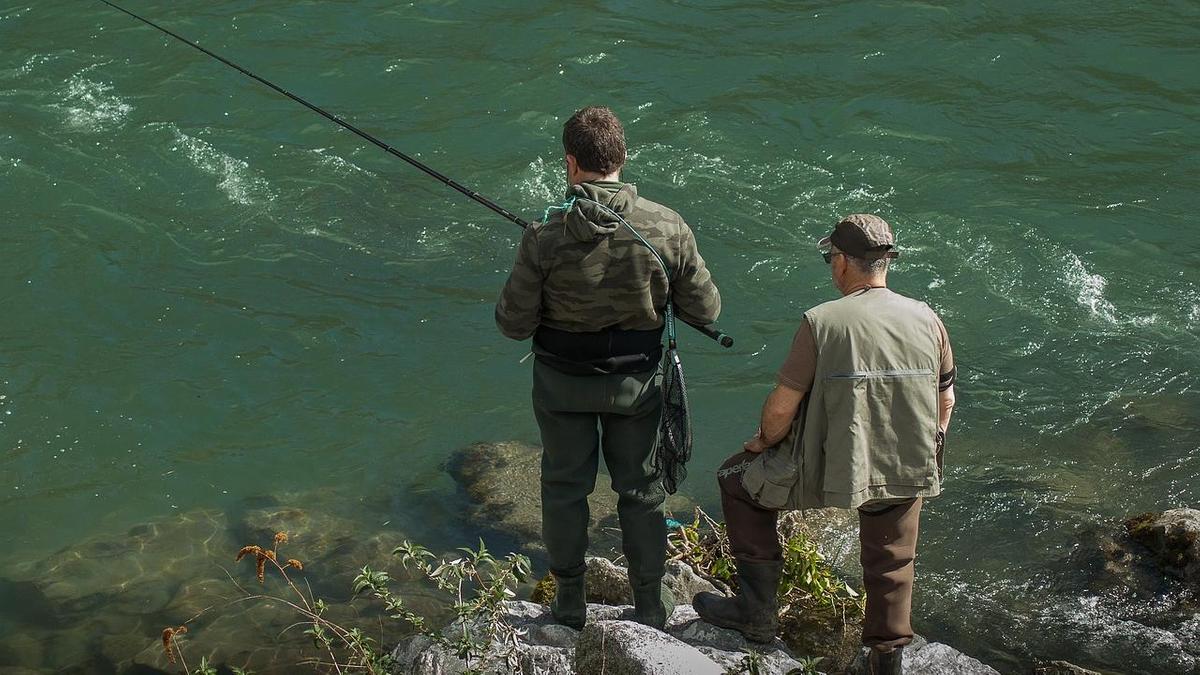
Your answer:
<point x="675" y="428"/>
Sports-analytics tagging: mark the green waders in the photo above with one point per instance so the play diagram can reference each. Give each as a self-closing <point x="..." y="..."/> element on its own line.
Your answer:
<point x="581" y="416"/>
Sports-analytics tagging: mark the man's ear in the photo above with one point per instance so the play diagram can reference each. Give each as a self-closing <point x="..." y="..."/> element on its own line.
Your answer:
<point x="572" y="164"/>
<point x="838" y="266"/>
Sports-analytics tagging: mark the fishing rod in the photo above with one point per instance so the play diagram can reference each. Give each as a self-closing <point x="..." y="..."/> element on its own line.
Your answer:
<point x="721" y="338"/>
<point x="336" y="120"/>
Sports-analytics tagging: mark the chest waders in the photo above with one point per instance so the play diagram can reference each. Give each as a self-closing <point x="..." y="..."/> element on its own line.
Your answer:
<point x="674" y="448"/>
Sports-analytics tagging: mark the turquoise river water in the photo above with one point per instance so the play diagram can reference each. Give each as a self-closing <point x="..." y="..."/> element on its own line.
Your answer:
<point x="208" y="293"/>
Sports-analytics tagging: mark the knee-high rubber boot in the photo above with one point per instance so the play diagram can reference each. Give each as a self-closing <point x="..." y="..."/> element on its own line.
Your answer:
<point x="653" y="602"/>
<point x="886" y="663"/>
<point x="754" y="611"/>
<point x="569" y="606"/>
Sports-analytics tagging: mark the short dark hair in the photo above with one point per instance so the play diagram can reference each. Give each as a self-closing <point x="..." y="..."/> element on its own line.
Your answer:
<point x="869" y="265"/>
<point x="595" y="137"/>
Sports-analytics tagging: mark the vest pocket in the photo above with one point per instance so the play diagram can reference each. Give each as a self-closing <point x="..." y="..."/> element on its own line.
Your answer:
<point x="771" y="476"/>
<point x="881" y="429"/>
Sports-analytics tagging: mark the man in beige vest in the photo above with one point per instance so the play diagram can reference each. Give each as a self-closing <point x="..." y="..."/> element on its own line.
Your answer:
<point x="857" y="420"/>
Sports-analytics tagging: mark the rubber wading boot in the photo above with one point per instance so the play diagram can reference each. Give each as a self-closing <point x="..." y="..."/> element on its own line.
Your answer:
<point x="569" y="606"/>
<point x="754" y="612"/>
<point x="653" y="603"/>
<point x="885" y="663"/>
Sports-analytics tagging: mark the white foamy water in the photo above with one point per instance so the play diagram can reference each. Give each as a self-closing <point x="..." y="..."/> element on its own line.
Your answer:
<point x="1109" y="634"/>
<point x="90" y="105"/>
<point x="32" y="63"/>
<point x="590" y="59"/>
<point x="400" y="65"/>
<point x="341" y="166"/>
<point x="542" y="182"/>
<point x="236" y="179"/>
<point x="1090" y="288"/>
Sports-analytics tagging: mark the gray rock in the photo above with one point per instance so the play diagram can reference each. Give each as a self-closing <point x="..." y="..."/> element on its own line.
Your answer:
<point x="685" y="583"/>
<point x="608" y="583"/>
<point x="686" y="625"/>
<point x="629" y="648"/>
<point x="940" y="659"/>
<point x="931" y="658"/>
<point x="547" y="647"/>
<point x="727" y="647"/>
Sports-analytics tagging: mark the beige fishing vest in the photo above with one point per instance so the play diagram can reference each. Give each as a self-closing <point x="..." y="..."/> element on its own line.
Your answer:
<point x="867" y="428"/>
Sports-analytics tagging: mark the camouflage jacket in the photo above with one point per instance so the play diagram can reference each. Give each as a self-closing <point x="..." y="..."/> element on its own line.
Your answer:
<point x="582" y="270"/>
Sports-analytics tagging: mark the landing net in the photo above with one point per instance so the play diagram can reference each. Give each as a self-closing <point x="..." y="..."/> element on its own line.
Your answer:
<point x="675" y="430"/>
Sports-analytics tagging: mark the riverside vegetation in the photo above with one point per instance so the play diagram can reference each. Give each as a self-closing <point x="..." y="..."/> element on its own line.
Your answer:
<point x="476" y="585"/>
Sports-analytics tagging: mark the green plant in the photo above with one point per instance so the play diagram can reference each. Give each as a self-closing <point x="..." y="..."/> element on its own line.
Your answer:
<point x="478" y="583"/>
<point x="751" y="664"/>
<point x="808" y="583"/>
<point x="808" y="579"/>
<point x="808" y="666"/>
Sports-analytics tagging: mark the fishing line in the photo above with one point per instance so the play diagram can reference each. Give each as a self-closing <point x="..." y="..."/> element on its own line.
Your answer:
<point x="721" y="338"/>
<point x="336" y="120"/>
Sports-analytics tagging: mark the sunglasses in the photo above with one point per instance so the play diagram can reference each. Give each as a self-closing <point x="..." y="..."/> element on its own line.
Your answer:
<point x="828" y="255"/>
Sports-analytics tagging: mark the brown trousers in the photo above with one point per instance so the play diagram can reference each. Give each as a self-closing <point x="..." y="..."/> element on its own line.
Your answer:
<point x="889" y="545"/>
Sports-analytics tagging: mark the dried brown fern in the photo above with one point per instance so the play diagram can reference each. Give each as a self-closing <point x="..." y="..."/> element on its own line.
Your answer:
<point x="168" y="641"/>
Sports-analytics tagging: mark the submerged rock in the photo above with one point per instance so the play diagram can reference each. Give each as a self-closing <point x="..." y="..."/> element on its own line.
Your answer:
<point x="1172" y="538"/>
<point x="502" y="481"/>
<point x="100" y="605"/>
<point x="334" y="545"/>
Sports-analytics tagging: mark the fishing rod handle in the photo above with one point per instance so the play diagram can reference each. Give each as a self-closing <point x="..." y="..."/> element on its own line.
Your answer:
<point x="712" y="332"/>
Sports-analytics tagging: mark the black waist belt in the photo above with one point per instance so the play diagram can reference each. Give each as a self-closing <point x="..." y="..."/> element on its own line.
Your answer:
<point x="606" y="352"/>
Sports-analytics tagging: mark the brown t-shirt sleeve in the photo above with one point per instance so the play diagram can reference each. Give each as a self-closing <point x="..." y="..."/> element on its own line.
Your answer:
<point x="800" y="367"/>
<point x="947" y="373"/>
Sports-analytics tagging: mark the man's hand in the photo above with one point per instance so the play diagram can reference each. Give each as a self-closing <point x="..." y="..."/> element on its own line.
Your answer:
<point x="755" y="444"/>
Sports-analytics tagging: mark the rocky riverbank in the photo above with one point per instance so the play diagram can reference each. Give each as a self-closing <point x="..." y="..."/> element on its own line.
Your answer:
<point x="1153" y="556"/>
<point x="613" y="644"/>
<point x="99" y="606"/>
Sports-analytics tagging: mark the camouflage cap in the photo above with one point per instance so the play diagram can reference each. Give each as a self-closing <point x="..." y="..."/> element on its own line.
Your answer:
<point x="862" y="235"/>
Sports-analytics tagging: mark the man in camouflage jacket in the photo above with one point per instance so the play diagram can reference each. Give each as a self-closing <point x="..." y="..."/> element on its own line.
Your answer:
<point x="593" y="296"/>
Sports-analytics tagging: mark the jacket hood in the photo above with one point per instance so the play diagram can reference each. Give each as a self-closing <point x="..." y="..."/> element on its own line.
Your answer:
<point x="586" y="221"/>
